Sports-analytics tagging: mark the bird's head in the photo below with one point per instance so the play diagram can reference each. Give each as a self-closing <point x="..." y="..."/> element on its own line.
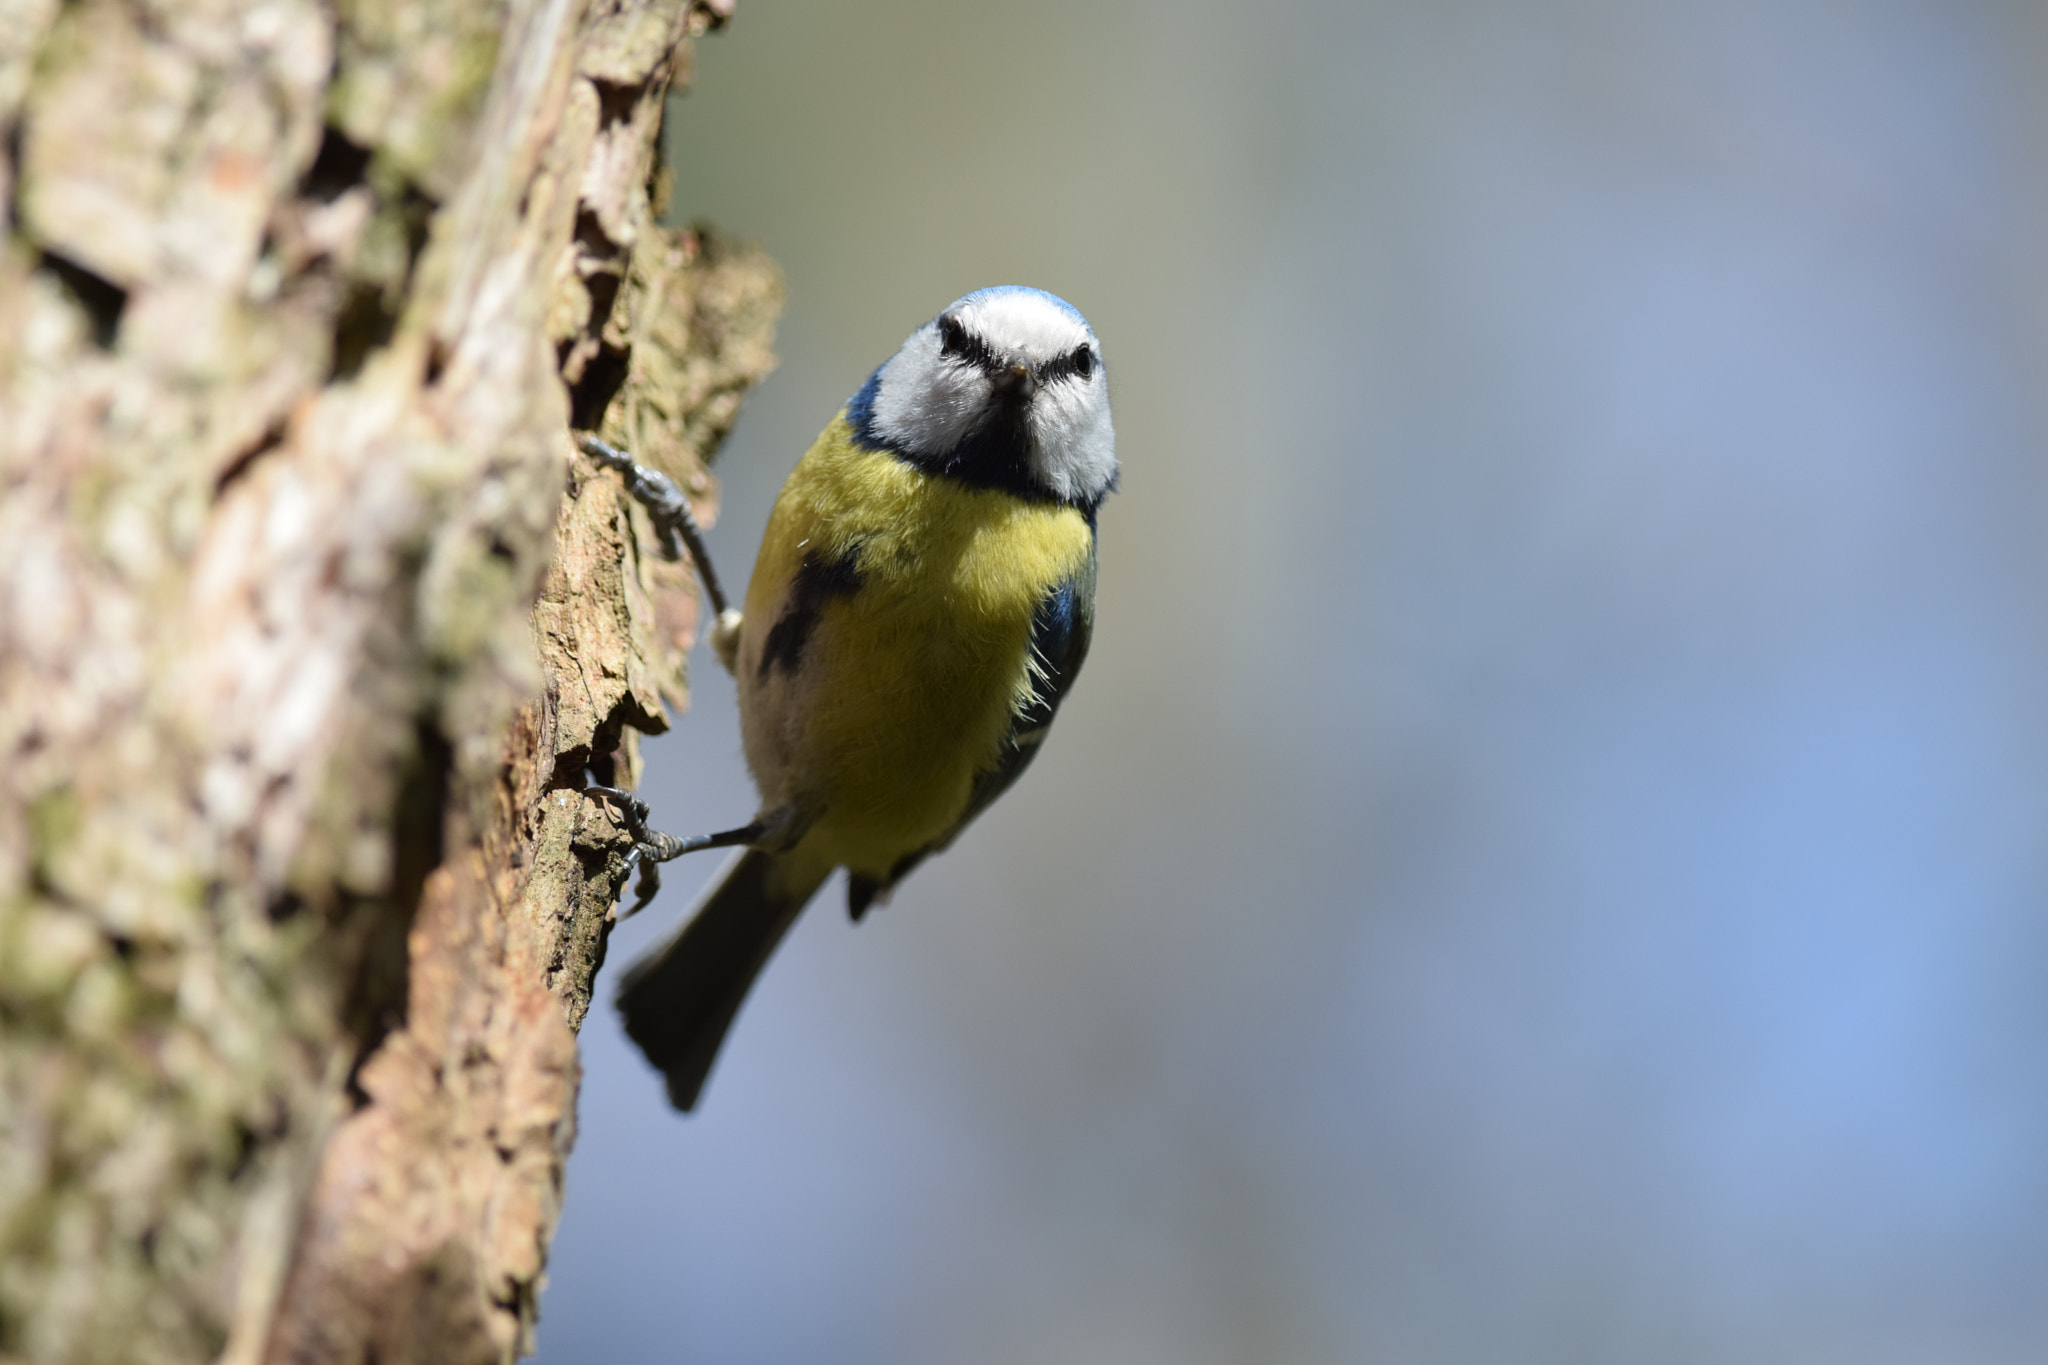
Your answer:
<point x="1005" y="389"/>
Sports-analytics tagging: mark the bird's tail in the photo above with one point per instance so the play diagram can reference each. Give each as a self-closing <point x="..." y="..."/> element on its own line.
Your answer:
<point x="679" y="1001"/>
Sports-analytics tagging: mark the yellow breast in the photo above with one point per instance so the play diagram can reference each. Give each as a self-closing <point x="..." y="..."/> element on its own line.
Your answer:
<point x="912" y="665"/>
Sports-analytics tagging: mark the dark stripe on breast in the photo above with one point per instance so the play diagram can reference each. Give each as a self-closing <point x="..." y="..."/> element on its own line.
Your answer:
<point x="817" y="582"/>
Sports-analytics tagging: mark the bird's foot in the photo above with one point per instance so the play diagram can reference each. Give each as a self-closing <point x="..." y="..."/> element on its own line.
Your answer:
<point x="677" y="527"/>
<point x="651" y="847"/>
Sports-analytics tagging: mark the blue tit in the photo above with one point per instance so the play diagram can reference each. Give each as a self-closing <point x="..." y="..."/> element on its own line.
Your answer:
<point x="922" y="601"/>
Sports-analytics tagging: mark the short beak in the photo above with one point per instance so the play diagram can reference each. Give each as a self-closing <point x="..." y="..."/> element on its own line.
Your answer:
<point x="1017" y="382"/>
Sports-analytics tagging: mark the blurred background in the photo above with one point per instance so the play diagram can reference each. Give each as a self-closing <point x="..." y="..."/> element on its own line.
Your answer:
<point x="1546" y="861"/>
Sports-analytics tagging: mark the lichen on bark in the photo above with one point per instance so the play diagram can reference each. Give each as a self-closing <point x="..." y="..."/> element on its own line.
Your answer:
<point x="311" y="622"/>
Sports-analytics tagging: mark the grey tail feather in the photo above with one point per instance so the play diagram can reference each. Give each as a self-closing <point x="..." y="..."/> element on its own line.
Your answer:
<point x="679" y="1000"/>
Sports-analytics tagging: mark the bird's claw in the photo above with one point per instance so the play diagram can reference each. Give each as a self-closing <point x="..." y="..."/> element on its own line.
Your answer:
<point x="652" y="846"/>
<point x="649" y="848"/>
<point x="675" y="525"/>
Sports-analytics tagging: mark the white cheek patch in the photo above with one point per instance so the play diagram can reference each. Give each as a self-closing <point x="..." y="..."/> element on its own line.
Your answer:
<point x="1073" y="445"/>
<point x="925" y="404"/>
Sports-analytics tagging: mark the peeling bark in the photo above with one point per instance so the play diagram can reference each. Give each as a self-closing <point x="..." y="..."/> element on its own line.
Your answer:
<point x="311" y="621"/>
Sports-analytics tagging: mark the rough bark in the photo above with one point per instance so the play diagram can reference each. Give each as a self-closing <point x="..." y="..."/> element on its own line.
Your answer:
<point x="311" y="621"/>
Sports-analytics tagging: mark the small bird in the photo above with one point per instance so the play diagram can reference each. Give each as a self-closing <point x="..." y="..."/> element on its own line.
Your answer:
<point x="922" y="601"/>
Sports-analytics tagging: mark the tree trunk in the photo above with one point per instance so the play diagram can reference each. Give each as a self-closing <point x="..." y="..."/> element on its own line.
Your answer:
<point x="311" y="622"/>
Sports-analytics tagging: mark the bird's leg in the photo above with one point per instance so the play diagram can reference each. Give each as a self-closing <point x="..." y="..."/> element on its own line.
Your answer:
<point x="673" y="522"/>
<point x="652" y="848"/>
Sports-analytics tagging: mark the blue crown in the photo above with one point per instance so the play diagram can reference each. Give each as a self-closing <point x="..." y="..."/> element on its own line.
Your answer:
<point x="995" y="291"/>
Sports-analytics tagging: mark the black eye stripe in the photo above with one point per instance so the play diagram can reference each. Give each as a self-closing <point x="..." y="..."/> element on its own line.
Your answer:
<point x="956" y="340"/>
<point x="1080" y="361"/>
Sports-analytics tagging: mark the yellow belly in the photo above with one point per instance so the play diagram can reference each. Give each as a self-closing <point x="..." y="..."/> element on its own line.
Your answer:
<point x="905" y="687"/>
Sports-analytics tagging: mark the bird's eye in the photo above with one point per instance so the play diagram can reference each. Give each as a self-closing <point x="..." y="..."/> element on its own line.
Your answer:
<point x="1082" y="362"/>
<point x="952" y="337"/>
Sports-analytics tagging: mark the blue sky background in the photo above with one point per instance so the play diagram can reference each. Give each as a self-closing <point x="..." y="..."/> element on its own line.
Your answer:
<point x="1546" y="862"/>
